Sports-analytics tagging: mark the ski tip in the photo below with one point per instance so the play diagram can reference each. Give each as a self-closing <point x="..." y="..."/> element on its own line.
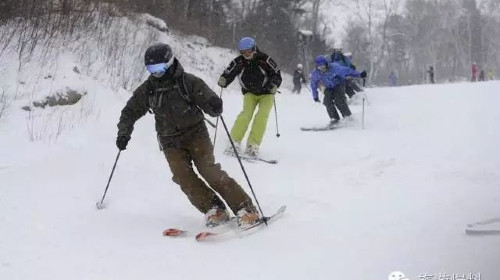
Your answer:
<point x="173" y="232"/>
<point x="282" y="209"/>
<point x="270" y="161"/>
<point x="203" y="235"/>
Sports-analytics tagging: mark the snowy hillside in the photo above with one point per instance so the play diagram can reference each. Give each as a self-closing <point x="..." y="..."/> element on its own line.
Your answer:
<point x="94" y="64"/>
<point x="361" y="203"/>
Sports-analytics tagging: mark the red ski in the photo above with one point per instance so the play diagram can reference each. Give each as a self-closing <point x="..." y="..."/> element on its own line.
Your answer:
<point x="174" y="232"/>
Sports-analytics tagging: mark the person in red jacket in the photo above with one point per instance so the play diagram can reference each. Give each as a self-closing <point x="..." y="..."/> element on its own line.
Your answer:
<point x="474" y="72"/>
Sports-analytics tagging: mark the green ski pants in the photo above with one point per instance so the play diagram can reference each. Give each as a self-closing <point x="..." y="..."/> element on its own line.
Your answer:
<point x="250" y="102"/>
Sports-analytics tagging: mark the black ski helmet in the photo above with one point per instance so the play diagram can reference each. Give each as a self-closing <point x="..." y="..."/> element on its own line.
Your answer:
<point x="159" y="53"/>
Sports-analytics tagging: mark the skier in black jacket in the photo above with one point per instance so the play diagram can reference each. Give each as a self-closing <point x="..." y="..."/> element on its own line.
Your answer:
<point x="259" y="78"/>
<point x="298" y="79"/>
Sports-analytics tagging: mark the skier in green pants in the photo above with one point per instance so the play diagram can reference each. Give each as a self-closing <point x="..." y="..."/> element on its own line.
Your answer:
<point x="260" y="78"/>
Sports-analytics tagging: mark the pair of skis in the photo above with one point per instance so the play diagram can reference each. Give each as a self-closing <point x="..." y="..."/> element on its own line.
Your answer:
<point x="486" y="227"/>
<point x="330" y="126"/>
<point x="322" y="128"/>
<point x="224" y="230"/>
<point x="252" y="159"/>
<point x="318" y="128"/>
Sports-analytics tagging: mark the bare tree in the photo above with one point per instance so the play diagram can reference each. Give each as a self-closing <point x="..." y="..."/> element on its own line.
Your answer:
<point x="3" y="103"/>
<point x="376" y="15"/>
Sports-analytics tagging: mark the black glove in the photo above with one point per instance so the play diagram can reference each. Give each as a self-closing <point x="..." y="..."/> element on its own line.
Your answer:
<point x="363" y="74"/>
<point x="121" y="142"/>
<point x="316" y="99"/>
<point x="215" y="104"/>
<point x="222" y="82"/>
<point x="272" y="88"/>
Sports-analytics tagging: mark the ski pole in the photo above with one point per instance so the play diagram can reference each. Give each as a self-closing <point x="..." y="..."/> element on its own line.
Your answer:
<point x="210" y="123"/>
<point x="217" y="121"/>
<point x="242" y="167"/>
<point x="100" y="204"/>
<point x="276" y="117"/>
<point x="363" y="115"/>
<point x="308" y="88"/>
<point x="366" y="97"/>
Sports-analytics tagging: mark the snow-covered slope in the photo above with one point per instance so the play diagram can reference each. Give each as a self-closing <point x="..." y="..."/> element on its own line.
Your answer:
<point x="361" y="203"/>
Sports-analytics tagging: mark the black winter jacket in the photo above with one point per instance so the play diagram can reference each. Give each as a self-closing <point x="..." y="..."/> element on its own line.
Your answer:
<point x="176" y="99"/>
<point x="256" y="75"/>
<point x="298" y="76"/>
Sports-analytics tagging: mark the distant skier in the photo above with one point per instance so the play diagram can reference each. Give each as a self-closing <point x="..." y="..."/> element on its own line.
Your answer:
<point x="474" y="71"/>
<point x="393" y="79"/>
<point x="345" y="60"/>
<point x="431" y="74"/>
<point x="260" y="78"/>
<point x="333" y="77"/>
<point x="481" y="75"/>
<point x="177" y="99"/>
<point x="298" y="79"/>
<point x="491" y="75"/>
<point x="339" y="57"/>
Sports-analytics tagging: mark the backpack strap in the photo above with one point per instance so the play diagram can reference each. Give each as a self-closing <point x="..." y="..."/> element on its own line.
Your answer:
<point x="183" y="91"/>
<point x="151" y="93"/>
<point x="180" y="84"/>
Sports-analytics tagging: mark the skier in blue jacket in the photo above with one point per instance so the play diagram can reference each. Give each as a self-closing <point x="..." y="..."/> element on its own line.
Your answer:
<point x="338" y="56"/>
<point x="341" y="58"/>
<point x="333" y="77"/>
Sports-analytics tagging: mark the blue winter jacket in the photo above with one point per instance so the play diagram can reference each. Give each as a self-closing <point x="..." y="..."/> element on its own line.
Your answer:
<point x="334" y="75"/>
<point x="341" y="59"/>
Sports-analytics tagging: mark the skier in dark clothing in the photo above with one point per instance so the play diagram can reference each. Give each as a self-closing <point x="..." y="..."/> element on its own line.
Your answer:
<point x="431" y="74"/>
<point x="481" y="75"/>
<point x="333" y="77"/>
<point x="176" y="99"/>
<point x="393" y="79"/>
<point x="338" y="56"/>
<point x="298" y="79"/>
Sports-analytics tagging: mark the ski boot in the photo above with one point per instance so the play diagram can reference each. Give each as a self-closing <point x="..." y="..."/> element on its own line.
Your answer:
<point x="230" y="151"/>
<point x="348" y="119"/>
<point x="246" y="218"/>
<point x="216" y="217"/>
<point x="252" y="150"/>
<point x="333" y="123"/>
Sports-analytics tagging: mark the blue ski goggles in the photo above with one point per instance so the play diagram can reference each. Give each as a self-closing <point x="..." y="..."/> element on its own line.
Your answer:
<point x="159" y="68"/>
